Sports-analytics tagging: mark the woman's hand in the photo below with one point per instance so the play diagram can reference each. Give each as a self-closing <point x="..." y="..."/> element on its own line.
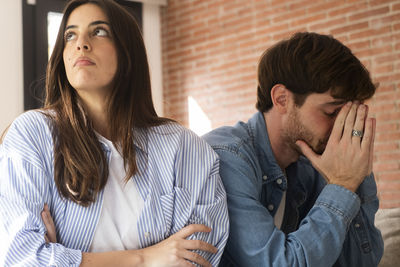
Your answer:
<point x="177" y="250"/>
<point x="348" y="157"/>
<point x="50" y="235"/>
<point x="173" y="251"/>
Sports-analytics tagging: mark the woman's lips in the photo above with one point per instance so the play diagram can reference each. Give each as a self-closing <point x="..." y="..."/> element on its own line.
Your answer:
<point x="83" y="61"/>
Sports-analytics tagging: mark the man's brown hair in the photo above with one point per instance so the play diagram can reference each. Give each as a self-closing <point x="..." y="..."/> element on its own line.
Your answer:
<point x="312" y="63"/>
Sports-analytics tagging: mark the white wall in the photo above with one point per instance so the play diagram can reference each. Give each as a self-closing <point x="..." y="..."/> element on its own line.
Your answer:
<point x="11" y="62"/>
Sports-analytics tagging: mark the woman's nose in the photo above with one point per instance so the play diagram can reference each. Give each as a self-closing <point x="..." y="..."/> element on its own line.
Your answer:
<point x="83" y="44"/>
<point x="84" y="47"/>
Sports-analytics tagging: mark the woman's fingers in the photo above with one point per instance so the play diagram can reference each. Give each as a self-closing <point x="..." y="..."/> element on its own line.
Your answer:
<point x="178" y="251"/>
<point x="194" y="257"/>
<point x="191" y="229"/>
<point x="199" y="245"/>
<point x="49" y="224"/>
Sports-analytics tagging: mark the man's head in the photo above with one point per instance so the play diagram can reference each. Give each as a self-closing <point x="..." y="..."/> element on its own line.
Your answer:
<point x="312" y="63"/>
<point x="307" y="79"/>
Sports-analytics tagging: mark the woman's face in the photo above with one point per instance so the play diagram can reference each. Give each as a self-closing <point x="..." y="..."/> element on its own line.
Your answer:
<point x="90" y="56"/>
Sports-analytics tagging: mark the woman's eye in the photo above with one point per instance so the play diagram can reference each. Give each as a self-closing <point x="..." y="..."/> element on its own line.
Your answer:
<point x="69" y="36"/>
<point x="100" y="32"/>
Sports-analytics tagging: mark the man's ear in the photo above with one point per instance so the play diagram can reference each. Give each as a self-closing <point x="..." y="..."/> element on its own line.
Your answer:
<point x="280" y="96"/>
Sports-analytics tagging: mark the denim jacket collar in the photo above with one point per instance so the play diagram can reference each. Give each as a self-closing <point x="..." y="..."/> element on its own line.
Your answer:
<point x="268" y="163"/>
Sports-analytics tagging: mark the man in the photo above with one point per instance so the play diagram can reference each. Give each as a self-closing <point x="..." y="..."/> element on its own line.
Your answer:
<point x="298" y="174"/>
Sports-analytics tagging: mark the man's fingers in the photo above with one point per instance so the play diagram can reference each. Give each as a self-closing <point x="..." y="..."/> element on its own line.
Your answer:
<point x="368" y="135"/>
<point x="350" y="121"/>
<point x="307" y="151"/>
<point x="199" y="245"/>
<point x="191" y="229"/>
<point x="337" y="129"/>
<point x="371" y="150"/>
<point x="367" y="143"/>
<point x="362" y="112"/>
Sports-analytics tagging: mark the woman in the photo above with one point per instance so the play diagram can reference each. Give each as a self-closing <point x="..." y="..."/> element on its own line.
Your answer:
<point x="123" y="186"/>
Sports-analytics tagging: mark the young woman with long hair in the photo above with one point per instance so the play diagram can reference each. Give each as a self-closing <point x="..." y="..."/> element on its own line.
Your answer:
<point x="95" y="177"/>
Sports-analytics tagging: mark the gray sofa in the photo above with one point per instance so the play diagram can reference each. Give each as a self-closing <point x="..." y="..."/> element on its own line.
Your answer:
<point x="388" y="221"/>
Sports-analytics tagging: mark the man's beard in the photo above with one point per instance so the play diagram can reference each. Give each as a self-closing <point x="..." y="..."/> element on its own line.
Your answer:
<point x="295" y="130"/>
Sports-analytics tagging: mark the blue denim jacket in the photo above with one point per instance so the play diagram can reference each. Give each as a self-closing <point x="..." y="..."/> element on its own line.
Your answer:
<point x="323" y="225"/>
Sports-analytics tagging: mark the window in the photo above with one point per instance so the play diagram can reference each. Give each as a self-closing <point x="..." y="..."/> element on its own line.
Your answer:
<point x="41" y="20"/>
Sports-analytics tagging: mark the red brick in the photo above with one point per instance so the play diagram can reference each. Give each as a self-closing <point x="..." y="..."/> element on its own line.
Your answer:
<point x="369" y="13"/>
<point x="396" y="7"/>
<point x="382" y="69"/>
<point x="387" y="137"/>
<point x="374" y="51"/>
<point x="388" y="58"/>
<point x="325" y="25"/>
<point x="383" y="107"/>
<point x="389" y="176"/>
<point x="383" y="147"/>
<point x="385" y="204"/>
<point x="356" y="46"/>
<point x="296" y="23"/>
<point x="347" y="9"/>
<point x="211" y="50"/>
<point x="386" y="19"/>
<point x="350" y="28"/>
<point x="292" y="14"/>
<point x="370" y="32"/>
<point x="390" y="77"/>
<point x="389" y="186"/>
<point x="387" y="88"/>
<point x="300" y="5"/>
<point x="380" y="2"/>
<point x="386" y="166"/>
<point x="389" y="157"/>
<point x="390" y="195"/>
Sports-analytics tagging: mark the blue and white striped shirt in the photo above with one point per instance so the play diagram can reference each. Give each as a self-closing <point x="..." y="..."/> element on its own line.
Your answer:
<point x="178" y="180"/>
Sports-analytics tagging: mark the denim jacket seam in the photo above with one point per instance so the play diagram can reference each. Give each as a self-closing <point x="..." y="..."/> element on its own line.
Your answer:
<point x="361" y="233"/>
<point x="335" y="210"/>
<point x="235" y="150"/>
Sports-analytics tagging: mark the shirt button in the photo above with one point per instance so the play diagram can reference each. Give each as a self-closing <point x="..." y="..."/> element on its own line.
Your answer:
<point x="147" y="234"/>
<point x="265" y="177"/>
<point x="270" y="207"/>
<point x="279" y="181"/>
<point x="357" y="225"/>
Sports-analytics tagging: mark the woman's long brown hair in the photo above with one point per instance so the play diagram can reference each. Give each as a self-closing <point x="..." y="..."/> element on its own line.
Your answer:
<point x="80" y="165"/>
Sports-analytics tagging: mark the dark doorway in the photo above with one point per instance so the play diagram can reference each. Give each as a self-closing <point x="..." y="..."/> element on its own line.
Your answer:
<point x="39" y="22"/>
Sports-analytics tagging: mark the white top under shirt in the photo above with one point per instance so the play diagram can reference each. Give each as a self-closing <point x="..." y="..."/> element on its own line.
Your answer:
<point x="278" y="218"/>
<point x="122" y="206"/>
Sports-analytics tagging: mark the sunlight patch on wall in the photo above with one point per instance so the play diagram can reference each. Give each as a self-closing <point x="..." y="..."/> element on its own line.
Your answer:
<point x="198" y="120"/>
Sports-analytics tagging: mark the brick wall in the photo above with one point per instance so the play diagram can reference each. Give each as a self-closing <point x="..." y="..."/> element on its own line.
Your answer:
<point x="211" y="49"/>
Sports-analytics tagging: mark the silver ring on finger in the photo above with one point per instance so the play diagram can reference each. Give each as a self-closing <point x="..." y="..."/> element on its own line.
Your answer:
<point x="357" y="133"/>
